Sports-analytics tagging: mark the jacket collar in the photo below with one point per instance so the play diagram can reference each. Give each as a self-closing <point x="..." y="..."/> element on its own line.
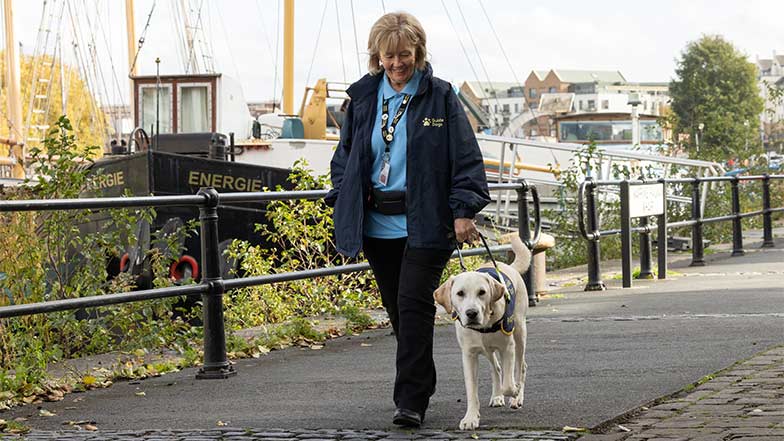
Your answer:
<point x="368" y="85"/>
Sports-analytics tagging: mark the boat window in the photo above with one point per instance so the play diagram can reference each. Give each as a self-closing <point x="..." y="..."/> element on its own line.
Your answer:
<point x="149" y="106"/>
<point x="194" y="109"/>
<point x="603" y="131"/>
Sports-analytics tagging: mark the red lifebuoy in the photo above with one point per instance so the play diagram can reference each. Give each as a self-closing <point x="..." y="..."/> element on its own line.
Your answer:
<point x="177" y="270"/>
<point x="124" y="260"/>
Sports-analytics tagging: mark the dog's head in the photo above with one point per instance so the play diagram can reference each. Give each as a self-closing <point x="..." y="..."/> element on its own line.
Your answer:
<point x="470" y="295"/>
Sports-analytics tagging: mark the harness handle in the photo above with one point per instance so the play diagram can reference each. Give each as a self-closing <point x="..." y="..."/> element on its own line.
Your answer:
<point x="487" y="248"/>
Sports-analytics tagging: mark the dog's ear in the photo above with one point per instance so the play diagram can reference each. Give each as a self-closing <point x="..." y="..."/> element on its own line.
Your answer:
<point x="443" y="295"/>
<point x="496" y="288"/>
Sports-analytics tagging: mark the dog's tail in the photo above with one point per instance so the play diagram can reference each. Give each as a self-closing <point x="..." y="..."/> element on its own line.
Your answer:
<point x="522" y="254"/>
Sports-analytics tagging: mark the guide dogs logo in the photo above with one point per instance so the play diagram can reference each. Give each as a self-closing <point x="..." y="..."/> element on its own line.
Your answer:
<point x="432" y="122"/>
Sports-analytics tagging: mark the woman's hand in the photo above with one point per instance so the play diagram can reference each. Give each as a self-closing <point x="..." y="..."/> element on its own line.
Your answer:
<point x="465" y="230"/>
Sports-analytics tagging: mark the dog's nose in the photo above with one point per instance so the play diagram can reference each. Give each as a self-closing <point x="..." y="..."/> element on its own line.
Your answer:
<point x="472" y="313"/>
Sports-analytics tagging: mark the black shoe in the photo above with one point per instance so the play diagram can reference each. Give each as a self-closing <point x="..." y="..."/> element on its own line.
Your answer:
<point x="407" y="418"/>
<point x="531" y="303"/>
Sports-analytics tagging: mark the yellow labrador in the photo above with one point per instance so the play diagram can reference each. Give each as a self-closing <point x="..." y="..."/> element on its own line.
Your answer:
<point x="487" y="323"/>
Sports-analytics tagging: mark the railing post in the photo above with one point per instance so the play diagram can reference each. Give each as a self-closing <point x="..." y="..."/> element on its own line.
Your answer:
<point x="523" y="222"/>
<point x="697" y="250"/>
<point x="737" y="227"/>
<point x="592" y="219"/>
<point x="645" y="251"/>
<point x="661" y="237"/>
<point x="626" y="236"/>
<point x="216" y="363"/>
<point x="767" y="222"/>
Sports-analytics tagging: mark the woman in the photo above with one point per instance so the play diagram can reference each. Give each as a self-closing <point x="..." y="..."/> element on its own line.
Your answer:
<point x="407" y="180"/>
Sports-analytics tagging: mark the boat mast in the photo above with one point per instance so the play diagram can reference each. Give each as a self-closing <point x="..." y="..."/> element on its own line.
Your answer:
<point x="15" y="141"/>
<point x="131" y="36"/>
<point x="288" y="57"/>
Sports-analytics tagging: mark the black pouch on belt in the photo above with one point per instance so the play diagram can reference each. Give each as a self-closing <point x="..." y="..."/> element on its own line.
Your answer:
<point x="388" y="202"/>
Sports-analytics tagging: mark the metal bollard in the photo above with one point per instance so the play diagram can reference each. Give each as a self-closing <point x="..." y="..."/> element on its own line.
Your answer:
<point x="594" y="273"/>
<point x="645" y="251"/>
<point x="661" y="239"/>
<point x="737" y="227"/>
<point x="626" y="236"/>
<point x="697" y="249"/>
<point x="767" y="222"/>
<point x="216" y="363"/>
<point x="523" y="222"/>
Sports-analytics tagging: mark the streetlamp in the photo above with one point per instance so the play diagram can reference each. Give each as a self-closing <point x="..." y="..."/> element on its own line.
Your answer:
<point x="700" y="126"/>
<point x="634" y="101"/>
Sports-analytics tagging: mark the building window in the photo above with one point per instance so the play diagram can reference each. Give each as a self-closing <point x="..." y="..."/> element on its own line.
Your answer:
<point x="506" y="108"/>
<point x="532" y="93"/>
<point x="487" y="108"/>
<point x="149" y="106"/>
<point x="605" y="104"/>
<point x="552" y="90"/>
<point x="581" y="104"/>
<point x="195" y="112"/>
<point x="591" y="105"/>
<point x="517" y="108"/>
<point x="496" y="108"/>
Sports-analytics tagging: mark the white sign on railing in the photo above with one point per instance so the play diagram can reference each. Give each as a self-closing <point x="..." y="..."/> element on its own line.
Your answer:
<point x="646" y="200"/>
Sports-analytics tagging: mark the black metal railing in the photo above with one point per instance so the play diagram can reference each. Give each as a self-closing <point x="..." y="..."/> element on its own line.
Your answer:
<point x="592" y="232"/>
<point x="213" y="286"/>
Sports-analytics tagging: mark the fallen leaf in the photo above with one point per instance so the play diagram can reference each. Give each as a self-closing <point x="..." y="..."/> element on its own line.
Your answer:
<point x="221" y="424"/>
<point x="316" y="347"/>
<point x="474" y="436"/>
<point x="45" y="413"/>
<point x="20" y="419"/>
<point x="76" y="400"/>
<point x="624" y="428"/>
<point x="365" y="344"/>
<point x="568" y="429"/>
<point x="140" y="394"/>
<point x="90" y="427"/>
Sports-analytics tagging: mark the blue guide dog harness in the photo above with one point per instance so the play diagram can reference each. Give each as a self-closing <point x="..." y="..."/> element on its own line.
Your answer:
<point x="506" y="323"/>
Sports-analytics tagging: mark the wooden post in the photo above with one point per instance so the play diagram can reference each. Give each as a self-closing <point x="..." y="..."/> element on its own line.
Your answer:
<point x="15" y="136"/>
<point x="288" y="57"/>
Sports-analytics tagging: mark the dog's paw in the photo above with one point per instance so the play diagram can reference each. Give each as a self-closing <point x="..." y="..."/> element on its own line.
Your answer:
<point x="497" y="401"/>
<point x="511" y="391"/>
<point x="469" y="422"/>
<point x="516" y="403"/>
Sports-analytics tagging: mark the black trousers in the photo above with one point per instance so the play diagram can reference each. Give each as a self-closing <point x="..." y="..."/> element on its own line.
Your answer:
<point x="407" y="278"/>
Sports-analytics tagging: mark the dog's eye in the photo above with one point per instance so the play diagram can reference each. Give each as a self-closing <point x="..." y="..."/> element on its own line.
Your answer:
<point x="460" y="293"/>
<point x="481" y="292"/>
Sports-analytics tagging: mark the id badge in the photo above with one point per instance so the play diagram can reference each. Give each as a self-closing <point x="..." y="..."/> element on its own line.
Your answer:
<point x="383" y="176"/>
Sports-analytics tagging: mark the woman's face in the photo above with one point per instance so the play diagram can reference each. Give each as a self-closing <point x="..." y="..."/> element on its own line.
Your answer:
<point x="399" y="64"/>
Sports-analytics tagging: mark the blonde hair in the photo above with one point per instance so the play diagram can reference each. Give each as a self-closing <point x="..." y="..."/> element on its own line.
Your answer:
<point x="389" y="31"/>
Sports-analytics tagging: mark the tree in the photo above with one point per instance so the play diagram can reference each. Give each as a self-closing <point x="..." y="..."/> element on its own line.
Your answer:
<point x="716" y="100"/>
<point x="89" y="121"/>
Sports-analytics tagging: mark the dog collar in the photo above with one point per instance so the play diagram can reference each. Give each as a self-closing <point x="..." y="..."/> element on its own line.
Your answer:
<point x="506" y="323"/>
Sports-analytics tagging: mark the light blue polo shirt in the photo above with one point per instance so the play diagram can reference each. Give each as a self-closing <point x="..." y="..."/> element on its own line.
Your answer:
<point x="379" y="225"/>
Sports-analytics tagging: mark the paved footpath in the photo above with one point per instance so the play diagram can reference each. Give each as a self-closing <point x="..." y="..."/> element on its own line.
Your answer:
<point x="592" y="357"/>
<point x="742" y="403"/>
<point x="237" y="434"/>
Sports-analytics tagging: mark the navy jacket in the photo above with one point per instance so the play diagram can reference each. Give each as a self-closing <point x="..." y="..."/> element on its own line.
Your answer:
<point x="445" y="177"/>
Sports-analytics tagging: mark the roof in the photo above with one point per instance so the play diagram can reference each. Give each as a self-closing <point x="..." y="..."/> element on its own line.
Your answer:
<point x="764" y="64"/>
<point x="589" y="76"/>
<point x="483" y="91"/>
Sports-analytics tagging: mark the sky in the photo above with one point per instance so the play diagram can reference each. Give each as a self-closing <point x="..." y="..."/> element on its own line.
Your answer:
<point x="643" y="40"/>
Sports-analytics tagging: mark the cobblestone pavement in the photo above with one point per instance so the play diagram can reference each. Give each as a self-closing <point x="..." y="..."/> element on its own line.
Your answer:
<point x="742" y="403"/>
<point x="235" y="434"/>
